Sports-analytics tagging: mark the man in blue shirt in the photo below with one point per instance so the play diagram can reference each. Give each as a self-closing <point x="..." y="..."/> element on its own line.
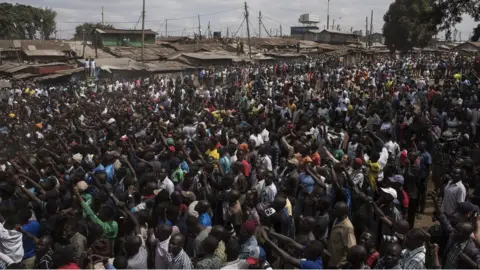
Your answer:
<point x="32" y="227"/>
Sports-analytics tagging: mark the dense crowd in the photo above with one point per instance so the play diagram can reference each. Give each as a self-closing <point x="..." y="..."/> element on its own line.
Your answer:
<point x="311" y="164"/>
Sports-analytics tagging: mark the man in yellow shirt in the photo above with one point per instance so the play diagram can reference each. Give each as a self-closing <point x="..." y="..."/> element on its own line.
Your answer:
<point x="457" y="76"/>
<point x="212" y="151"/>
<point x="373" y="169"/>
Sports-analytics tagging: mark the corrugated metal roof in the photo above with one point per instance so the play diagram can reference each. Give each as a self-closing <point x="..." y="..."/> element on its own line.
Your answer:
<point x="208" y="56"/>
<point x="151" y="53"/>
<point x="124" y="31"/>
<point x="8" y="66"/>
<point x="24" y="76"/>
<point x="173" y="39"/>
<point x="43" y="52"/>
<point x="21" y="67"/>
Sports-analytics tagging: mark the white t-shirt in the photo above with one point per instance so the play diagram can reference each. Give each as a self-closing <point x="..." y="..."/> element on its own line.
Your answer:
<point x="265" y="135"/>
<point x="257" y="138"/>
<point x="11" y="244"/>
<point x="139" y="260"/>
<point x="166" y="184"/>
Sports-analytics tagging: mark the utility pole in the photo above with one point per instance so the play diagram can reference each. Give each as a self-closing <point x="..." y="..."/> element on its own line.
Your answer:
<point x="103" y="22"/>
<point x="366" y="31"/>
<point x="328" y="15"/>
<point x="371" y="29"/>
<point x="260" y="24"/>
<point x="227" y="32"/>
<point x="84" y="42"/>
<point x="166" y="27"/>
<point x="248" y="31"/>
<point x="143" y="28"/>
<point x="281" y="34"/>
<point x="208" y="29"/>
<point x="199" y="28"/>
<point x="333" y="24"/>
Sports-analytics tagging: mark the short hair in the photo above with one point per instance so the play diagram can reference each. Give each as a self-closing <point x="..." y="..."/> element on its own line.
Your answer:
<point x="24" y="215"/>
<point x="120" y="262"/>
<point x="210" y="244"/>
<point x="232" y="249"/>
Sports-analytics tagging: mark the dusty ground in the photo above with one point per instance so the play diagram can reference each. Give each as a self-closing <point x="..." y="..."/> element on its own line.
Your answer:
<point x="426" y="221"/>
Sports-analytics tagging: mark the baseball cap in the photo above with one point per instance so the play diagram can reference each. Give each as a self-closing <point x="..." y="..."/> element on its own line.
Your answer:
<point x="390" y="191"/>
<point x="250" y="226"/>
<point x="359" y="161"/>
<point x="397" y="179"/>
<point x="467" y="207"/>
<point x="189" y="195"/>
<point x="256" y="254"/>
<point x="82" y="186"/>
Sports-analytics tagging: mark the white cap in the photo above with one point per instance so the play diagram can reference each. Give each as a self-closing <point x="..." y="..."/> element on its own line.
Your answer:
<point x="390" y="191"/>
<point x="111" y="121"/>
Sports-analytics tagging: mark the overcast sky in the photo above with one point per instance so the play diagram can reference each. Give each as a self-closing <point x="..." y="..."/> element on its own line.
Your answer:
<point x="181" y="14"/>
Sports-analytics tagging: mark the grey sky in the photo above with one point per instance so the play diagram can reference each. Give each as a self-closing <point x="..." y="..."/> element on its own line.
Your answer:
<point x="125" y="14"/>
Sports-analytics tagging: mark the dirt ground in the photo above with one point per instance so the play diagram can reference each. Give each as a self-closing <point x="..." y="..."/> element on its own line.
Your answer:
<point x="426" y="221"/>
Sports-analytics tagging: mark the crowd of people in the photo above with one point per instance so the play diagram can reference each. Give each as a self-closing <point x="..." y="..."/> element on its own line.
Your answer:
<point x="307" y="165"/>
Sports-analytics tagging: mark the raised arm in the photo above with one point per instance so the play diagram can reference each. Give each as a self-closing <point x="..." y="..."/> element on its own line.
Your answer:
<point x="380" y="213"/>
<point x="283" y="254"/>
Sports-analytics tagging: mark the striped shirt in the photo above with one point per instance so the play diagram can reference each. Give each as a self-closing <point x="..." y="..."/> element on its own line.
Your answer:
<point x="181" y="261"/>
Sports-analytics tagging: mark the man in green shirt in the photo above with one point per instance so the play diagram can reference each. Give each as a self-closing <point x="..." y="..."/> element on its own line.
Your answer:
<point x="105" y="218"/>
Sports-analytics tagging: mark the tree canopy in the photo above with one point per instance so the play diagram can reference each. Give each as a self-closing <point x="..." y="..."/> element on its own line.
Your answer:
<point x="88" y="28"/>
<point x="26" y="22"/>
<point x="412" y="23"/>
<point x="476" y="34"/>
<point x="408" y="24"/>
<point x="448" y="13"/>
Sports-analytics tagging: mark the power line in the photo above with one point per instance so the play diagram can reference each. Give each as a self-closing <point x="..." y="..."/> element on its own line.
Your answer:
<point x="170" y="19"/>
<point x="253" y="28"/>
<point x="240" y="27"/>
<point x="270" y="18"/>
<point x="264" y="28"/>
<point x="160" y="27"/>
<point x="139" y="18"/>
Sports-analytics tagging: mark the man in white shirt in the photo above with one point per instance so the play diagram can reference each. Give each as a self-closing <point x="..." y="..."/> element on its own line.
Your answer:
<point x="265" y="159"/>
<point x="11" y="240"/>
<point x="454" y="193"/>
<point x="266" y="191"/>
<point x="166" y="183"/>
<point x="92" y="67"/>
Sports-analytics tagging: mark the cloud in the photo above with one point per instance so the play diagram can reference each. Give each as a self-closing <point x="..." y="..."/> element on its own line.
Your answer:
<point x="181" y="14"/>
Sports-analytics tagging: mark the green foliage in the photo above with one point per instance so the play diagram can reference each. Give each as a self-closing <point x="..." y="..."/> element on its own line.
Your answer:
<point x="26" y="22"/>
<point x="447" y="13"/>
<point x="88" y="28"/>
<point x="408" y="24"/>
<point x="476" y="34"/>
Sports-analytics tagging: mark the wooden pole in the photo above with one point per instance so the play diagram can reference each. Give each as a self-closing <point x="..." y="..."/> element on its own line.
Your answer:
<point x="143" y="28"/>
<point x="248" y="31"/>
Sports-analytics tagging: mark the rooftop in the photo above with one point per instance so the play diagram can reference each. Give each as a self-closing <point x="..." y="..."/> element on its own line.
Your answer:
<point x="124" y="31"/>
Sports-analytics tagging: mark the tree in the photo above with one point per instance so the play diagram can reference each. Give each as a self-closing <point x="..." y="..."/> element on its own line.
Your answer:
<point x="448" y="13"/>
<point x="26" y="22"/>
<point x="88" y="28"/>
<point x="476" y="34"/>
<point x="408" y="24"/>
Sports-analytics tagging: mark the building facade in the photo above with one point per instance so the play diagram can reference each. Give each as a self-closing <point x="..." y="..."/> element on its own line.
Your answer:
<point x="332" y="37"/>
<point x="299" y="32"/>
<point x="121" y="37"/>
